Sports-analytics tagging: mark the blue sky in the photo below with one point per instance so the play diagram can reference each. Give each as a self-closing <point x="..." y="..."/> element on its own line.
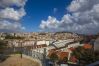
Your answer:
<point x="79" y="16"/>
<point x="38" y="10"/>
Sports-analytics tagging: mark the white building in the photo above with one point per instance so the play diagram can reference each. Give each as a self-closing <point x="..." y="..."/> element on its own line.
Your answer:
<point x="96" y="45"/>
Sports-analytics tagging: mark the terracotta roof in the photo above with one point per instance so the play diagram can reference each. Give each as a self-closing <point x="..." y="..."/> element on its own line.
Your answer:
<point x="87" y="46"/>
<point x="61" y="55"/>
<point x="71" y="48"/>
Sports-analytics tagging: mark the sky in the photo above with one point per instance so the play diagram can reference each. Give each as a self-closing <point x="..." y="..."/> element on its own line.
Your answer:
<point x="79" y="16"/>
<point x="38" y="10"/>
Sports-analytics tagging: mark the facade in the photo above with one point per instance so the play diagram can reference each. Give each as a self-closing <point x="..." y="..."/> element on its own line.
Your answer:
<point x="96" y="45"/>
<point x="44" y="36"/>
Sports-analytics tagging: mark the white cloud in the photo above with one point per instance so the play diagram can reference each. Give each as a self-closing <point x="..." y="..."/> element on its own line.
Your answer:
<point x="82" y="5"/>
<point x="84" y="18"/>
<point x="10" y="13"/>
<point x="51" y="23"/>
<point x="12" y="26"/>
<point x="7" y="3"/>
<point x="10" y="16"/>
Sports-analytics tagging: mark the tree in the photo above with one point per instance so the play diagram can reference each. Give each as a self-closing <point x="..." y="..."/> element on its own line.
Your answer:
<point x="64" y="60"/>
<point x="53" y="57"/>
<point x="85" y="56"/>
<point x="13" y="37"/>
<point x="3" y="46"/>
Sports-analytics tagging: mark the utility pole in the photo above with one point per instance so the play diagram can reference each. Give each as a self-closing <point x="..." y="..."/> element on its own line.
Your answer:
<point x="35" y="43"/>
<point x="21" y="49"/>
<point x="44" y="57"/>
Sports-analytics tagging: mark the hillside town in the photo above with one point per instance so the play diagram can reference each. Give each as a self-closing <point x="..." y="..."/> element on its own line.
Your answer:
<point x="49" y="32"/>
<point x="50" y="48"/>
<point x="29" y="39"/>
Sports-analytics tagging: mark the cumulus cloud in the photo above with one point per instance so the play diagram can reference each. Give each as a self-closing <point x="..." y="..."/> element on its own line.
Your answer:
<point x="84" y="18"/>
<point x="51" y="23"/>
<point x="12" y="26"/>
<point x="10" y="13"/>
<point x="10" y="16"/>
<point x="82" y="5"/>
<point x="7" y="3"/>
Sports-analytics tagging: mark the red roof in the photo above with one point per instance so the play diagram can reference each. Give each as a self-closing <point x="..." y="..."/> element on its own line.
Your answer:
<point x="62" y="55"/>
<point x="71" y="48"/>
<point x="87" y="46"/>
<point x="73" y="59"/>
